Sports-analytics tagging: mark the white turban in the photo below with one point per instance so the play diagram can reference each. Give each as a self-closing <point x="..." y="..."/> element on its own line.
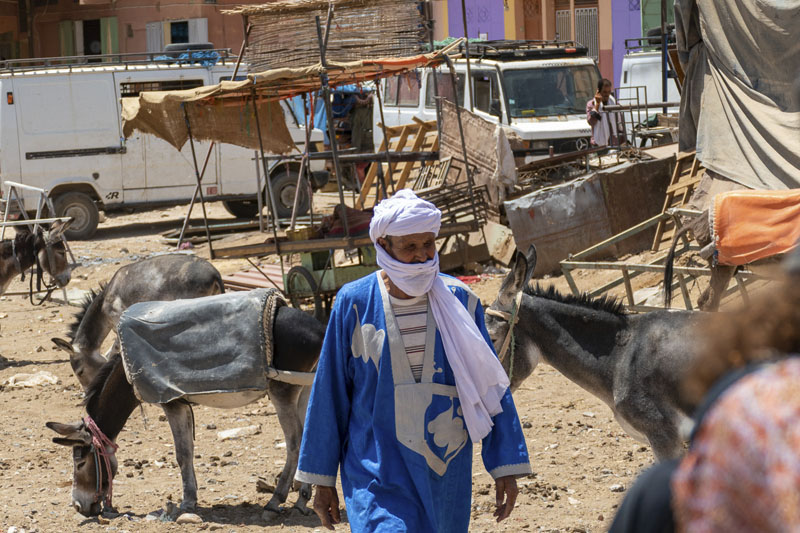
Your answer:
<point x="404" y="214"/>
<point x="480" y="379"/>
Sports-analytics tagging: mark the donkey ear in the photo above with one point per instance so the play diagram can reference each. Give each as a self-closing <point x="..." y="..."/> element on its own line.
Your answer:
<point x="530" y="256"/>
<point x="74" y="432"/>
<point x="57" y="229"/>
<point x="514" y="281"/>
<point x="64" y="345"/>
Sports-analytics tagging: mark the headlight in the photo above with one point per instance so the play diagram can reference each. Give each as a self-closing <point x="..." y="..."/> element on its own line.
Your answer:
<point x="541" y="145"/>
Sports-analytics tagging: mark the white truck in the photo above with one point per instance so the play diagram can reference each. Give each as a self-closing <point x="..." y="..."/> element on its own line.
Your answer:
<point x="538" y="89"/>
<point x="60" y="130"/>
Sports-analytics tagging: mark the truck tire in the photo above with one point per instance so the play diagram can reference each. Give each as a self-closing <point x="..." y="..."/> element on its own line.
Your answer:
<point x="242" y="208"/>
<point x="83" y="211"/>
<point x="283" y="186"/>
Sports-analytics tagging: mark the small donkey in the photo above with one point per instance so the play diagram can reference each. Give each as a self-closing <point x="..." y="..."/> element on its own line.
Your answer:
<point x="26" y="249"/>
<point x="633" y="363"/>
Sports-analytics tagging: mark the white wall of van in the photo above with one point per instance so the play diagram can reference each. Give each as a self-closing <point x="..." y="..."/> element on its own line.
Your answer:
<point x="60" y="130"/>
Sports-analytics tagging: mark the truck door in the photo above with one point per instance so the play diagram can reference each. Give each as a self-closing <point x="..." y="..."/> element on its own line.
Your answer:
<point x="69" y="131"/>
<point x="153" y="170"/>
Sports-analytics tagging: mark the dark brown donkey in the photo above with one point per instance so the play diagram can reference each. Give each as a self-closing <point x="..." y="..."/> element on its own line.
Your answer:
<point x="26" y="249"/>
<point x="110" y="400"/>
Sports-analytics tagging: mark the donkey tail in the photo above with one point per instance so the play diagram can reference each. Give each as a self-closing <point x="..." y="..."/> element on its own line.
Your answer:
<point x="668" y="266"/>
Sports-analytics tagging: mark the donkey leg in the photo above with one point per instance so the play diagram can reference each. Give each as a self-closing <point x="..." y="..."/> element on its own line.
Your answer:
<point x="181" y="422"/>
<point x="284" y="397"/>
<point x="304" y="494"/>
<point x="656" y="422"/>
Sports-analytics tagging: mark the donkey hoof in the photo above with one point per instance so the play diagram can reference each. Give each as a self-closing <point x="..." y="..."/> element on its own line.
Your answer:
<point x="273" y="506"/>
<point x="303" y="509"/>
<point x="188" y="506"/>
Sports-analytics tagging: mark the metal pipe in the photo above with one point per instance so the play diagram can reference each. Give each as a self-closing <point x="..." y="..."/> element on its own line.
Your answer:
<point x="211" y="146"/>
<point x="199" y="180"/>
<point x="323" y="76"/>
<point x="386" y="145"/>
<point x="664" y="62"/>
<point x="629" y="107"/>
<point x="470" y="181"/>
<point x="466" y="57"/>
<point x="273" y="214"/>
<point x="430" y="23"/>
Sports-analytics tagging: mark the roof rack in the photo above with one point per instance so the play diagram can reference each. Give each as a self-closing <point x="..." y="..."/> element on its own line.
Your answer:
<point x="113" y="60"/>
<point x="520" y="50"/>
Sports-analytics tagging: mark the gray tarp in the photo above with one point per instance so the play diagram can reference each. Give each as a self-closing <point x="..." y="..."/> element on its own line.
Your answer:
<point x="740" y="97"/>
<point x="214" y="345"/>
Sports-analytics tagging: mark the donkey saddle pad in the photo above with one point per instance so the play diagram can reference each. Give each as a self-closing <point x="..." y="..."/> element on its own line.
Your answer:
<point x="213" y="345"/>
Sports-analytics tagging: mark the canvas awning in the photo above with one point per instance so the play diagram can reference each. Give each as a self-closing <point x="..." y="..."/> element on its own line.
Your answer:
<point x="225" y="112"/>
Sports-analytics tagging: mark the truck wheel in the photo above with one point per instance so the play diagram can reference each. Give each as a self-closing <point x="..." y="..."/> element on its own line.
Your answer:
<point x="283" y="186"/>
<point x="83" y="211"/>
<point x="242" y="208"/>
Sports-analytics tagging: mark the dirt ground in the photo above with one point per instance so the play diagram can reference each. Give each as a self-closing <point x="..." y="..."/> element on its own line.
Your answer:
<point x="582" y="460"/>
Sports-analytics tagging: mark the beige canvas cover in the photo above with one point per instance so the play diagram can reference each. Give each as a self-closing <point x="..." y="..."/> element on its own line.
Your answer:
<point x="228" y="120"/>
<point x="225" y="112"/>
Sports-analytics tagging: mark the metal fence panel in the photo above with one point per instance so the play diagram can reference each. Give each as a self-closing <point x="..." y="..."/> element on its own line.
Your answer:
<point x="563" y="26"/>
<point x="586" y="31"/>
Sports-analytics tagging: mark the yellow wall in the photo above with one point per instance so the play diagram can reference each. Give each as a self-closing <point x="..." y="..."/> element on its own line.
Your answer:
<point x="514" y="18"/>
<point x="440" y="21"/>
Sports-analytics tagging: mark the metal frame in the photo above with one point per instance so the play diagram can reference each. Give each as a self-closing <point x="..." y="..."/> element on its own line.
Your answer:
<point x="13" y="192"/>
<point x="629" y="270"/>
<point x="348" y="241"/>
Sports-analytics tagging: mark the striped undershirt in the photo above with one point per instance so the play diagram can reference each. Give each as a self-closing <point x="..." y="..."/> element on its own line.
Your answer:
<point x="412" y="318"/>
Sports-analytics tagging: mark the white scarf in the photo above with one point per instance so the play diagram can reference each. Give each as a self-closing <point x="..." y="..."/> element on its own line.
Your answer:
<point x="480" y="379"/>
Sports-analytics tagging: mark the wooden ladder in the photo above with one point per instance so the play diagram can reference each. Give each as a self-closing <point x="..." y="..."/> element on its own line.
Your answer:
<point x="415" y="137"/>
<point x="684" y="179"/>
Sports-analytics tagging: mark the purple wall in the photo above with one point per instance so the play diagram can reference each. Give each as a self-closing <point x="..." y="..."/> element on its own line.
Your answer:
<point x="626" y="23"/>
<point x="482" y="17"/>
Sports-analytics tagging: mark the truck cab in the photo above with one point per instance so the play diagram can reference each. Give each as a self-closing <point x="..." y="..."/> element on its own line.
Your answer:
<point x="537" y="89"/>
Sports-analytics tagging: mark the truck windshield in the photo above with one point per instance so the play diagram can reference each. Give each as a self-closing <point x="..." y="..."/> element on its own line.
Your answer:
<point x="549" y="91"/>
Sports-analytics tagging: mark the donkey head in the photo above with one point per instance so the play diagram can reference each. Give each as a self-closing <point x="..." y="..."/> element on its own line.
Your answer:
<point x="85" y="364"/>
<point x="499" y="314"/>
<point x="52" y="252"/>
<point x="90" y="476"/>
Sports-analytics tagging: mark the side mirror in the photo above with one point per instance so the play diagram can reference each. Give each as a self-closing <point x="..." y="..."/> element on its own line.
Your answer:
<point x="495" y="109"/>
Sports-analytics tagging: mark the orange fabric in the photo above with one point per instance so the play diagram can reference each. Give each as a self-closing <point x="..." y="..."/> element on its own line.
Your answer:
<point x="752" y="225"/>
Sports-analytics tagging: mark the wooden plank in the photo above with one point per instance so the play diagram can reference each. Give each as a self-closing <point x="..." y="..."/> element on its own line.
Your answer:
<point x="372" y="173"/>
<point x="286" y="247"/>
<point x="416" y="147"/>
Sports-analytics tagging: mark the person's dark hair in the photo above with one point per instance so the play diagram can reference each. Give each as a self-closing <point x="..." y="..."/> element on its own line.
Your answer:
<point x="603" y="82"/>
<point x="767" y="328"/>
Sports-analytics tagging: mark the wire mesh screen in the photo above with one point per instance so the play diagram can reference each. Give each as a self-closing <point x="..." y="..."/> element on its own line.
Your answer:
<point x="284" y="33"/>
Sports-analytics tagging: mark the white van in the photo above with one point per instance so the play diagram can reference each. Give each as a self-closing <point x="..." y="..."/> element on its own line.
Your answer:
<point x="538" y="89"/>
<point x="60" y="130"/>
<point x="641" y="78"/>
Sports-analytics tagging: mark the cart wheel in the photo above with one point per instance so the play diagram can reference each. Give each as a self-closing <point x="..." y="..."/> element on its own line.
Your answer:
<point x="300" y="285"/>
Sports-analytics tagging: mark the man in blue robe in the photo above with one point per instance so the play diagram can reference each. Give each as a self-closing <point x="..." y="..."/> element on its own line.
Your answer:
<point x="406" y="378"/>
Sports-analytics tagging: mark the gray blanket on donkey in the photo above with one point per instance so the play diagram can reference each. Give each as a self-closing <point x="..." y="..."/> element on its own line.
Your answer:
<point x="216" y="344"/>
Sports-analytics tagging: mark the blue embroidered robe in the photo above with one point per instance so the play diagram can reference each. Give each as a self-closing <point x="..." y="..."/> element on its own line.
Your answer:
<point x="404" y="451"/>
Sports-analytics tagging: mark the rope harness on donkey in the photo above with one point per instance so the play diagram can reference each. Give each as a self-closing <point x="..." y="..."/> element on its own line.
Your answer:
<point x="508" y="343"/>
<point x="100" y="448"/>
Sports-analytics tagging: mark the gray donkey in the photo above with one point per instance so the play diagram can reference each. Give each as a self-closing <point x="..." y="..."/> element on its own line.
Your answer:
<point x="633" y="363"/>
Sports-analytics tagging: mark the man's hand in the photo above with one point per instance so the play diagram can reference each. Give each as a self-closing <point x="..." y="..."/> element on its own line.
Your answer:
<point x="505" y="489"/>
<point x="597" y="99"/>
<point x="326" y="505"/>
